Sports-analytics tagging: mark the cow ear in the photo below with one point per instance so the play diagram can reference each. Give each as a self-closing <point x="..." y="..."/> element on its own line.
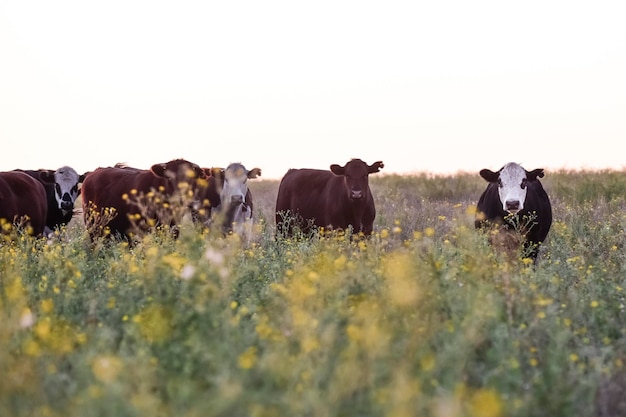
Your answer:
<point x="375" y="167"/>
<point x="198" y="172"/>
<point x="159" y="169"/>
<point x="337" y="170"/>
<point x="534" y="174"/>
<point x="489" y="175"/>
<point x="254" y="172"/>
<point x="211" y="172"/>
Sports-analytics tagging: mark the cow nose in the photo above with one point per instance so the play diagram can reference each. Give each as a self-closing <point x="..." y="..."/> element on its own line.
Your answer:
<point x="356" y="194"/>
<point x="66" y="202"/>
<point x="512" y="205"/>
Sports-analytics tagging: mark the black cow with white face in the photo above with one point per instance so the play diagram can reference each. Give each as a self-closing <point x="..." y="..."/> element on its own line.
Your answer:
<point x="62" y="191"/>
<point x="515" y="201"/>
<point x="235" y="208"/>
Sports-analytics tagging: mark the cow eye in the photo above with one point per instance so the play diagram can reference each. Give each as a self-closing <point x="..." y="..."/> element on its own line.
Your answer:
<point x="523" y="185"/>
<point x="57" y="187"/>
<point x="499" y="183"/>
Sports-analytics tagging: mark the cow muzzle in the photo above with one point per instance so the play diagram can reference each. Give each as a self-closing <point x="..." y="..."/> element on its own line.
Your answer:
<point x="512" y="206"/>
<point x="236" y="200"/>
<point x="67" y="205"/>
<point x="356" y="194"/>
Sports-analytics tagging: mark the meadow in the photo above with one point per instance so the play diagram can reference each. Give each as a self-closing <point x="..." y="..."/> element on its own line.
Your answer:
<point x="425" y="318"/>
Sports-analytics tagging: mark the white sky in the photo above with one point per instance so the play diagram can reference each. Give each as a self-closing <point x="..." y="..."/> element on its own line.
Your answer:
<point x="434" y="86"/>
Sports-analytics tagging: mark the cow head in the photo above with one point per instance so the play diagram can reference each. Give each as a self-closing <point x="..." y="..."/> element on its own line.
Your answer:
<point x="512" y="181"/>
<point x="66" y="191"/>
<point x="355" y="175"/>
<point x="182" y="178"/>
<point x="235" y="184"/>
<point x="178" y="171"/>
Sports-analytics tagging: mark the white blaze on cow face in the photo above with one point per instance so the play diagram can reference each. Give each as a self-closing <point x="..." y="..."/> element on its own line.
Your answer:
<point x="66" y="190"/>
<point x="234" y="190"/>
<point x="512" y="187"/>
<point x="235" y="185"/>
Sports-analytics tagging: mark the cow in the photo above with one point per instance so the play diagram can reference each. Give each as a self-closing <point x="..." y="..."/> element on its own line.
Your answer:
<point x="341" y="198"/>
<point x="124" y="202"/>
<point x="516" y="203"/>
<point x="62" y="191"/>
<point x="235" y="208"/>
<point x="23" y="202"/>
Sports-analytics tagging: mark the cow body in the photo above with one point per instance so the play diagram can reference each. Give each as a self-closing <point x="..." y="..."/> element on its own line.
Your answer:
<point x="516" y="202"/>
<point x="62" y="191"/>
<point x="335" y="199"/>
<point x="23" y="200"/>
<point x="141" y="199"/>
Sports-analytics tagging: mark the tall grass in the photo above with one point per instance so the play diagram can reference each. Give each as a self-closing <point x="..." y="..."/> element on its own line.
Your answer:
<point x="423" y="319"/>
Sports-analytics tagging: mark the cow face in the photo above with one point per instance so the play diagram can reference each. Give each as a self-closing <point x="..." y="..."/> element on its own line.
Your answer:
<point x="512" y="181"/>
<point x="356" y="178"/>
<point x="184" y="179"/>
<point x="66" y="190"/>
<point x="235" y="187"/>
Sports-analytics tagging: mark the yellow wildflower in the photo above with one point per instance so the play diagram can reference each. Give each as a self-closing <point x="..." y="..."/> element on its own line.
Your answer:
<point x="248" y="358"/>
<point x="106" y="368"/>
<point x="486" y="403"/>
<point x="155" y="323"/>
<point x="47" y="305"/>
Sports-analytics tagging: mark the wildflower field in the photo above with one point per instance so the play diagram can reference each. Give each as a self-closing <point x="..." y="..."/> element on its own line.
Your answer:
<point x="425" y="318"/>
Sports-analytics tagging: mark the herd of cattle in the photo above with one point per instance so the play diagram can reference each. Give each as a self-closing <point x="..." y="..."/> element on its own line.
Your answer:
<point x="137" y="199"/>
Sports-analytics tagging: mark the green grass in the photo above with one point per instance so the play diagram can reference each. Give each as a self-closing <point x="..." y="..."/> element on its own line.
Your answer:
<point x="424" y="318"/>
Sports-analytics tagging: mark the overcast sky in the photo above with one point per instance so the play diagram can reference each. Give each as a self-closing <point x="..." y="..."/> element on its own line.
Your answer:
<point x="435" y="86"/>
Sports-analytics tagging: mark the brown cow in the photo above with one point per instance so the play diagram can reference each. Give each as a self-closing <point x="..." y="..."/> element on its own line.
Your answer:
<point x="335" y="199"/>
<point x="23" y="201"/>
<point x="140" y="199"/>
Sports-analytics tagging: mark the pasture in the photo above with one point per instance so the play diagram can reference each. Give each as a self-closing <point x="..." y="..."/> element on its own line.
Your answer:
<point x="423" y="319"/>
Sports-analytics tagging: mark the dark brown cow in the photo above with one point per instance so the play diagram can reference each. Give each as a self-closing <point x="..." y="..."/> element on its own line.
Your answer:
<point x="23" y="201"/>
<point x="335" y="199"/>
<point x="141" y="199"/>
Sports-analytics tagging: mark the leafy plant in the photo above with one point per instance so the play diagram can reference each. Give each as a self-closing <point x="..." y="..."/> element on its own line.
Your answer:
<point x="423" y="318"/>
